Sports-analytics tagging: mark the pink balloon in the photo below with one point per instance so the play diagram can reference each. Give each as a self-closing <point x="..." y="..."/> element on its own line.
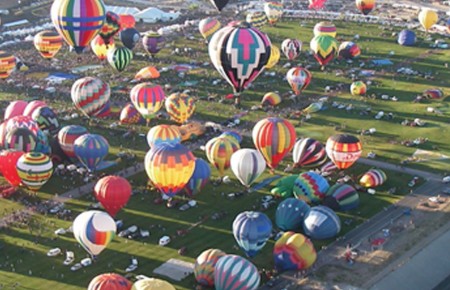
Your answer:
<point x="32" y="106"/>
<point x="15" y="108"/>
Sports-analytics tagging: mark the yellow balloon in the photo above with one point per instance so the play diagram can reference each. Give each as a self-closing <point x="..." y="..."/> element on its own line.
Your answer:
<point x="152" y="284"/>
<point x="219" y="151"/>
<point x="274" y="57"/>
<point x="427" y="18"/>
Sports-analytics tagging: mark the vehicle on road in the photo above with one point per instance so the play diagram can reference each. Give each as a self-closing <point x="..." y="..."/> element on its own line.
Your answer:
<point x="54" y="252"/>
<point x="70" y="257"/>
<point x="76" y="267"/>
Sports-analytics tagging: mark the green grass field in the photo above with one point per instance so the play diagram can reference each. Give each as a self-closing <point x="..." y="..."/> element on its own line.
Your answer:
<point x="24" y="250"/>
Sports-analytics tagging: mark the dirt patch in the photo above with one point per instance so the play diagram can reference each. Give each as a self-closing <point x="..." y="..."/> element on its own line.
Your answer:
<point x="8" y="4"/>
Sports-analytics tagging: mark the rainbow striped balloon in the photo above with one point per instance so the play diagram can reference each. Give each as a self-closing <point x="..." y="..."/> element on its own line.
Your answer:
<point x="180" y="107"/>
<point x="34" y="169"/>
<point x="325" y="28"/>
<point x="274" y="11"/>
<point x="208" y="27"/>
<point x="204" y="266"/>
<point x="67" y="136"/>
<point x="78" y="21"/>
<point x="129" y="115"/>
<point x="373" y="178"/>
<point x="293" y="252"/>
<point x="22" y="122"/>
<point x="147" y="98"/>
<point x="7" y="64"/>
<point x="89" y="95"/>
<point x="234" y="272"/>
<point x="94" y="230"/>
<point x="298" y="78"/>
<point x="219" y="151"/>
<point x="48" y="43"/>
<point x="358" y="88"/>
<point x="343" y="150"/>
<point x="310" y="186"/>
<point x="163" y="134"/>
<point x="90" y="149"/>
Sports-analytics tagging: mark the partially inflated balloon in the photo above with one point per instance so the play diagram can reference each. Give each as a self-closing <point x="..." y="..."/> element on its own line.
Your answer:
<point x="274" y="138"/>
<point x="89" y="95"/>
<point x="129" y="115"/>
<point x="342" y="197"/>
<point x="251" y="231"/>
<point x="34" y="170"/>
<point x="113" y="192"/>
<point x="325" y="28"/>
<point x="247" y="165"/>
<point x="204" y="266"/>
<point x="130" y="37"/>
<point x="153" y="43"/>
<point x="148" y="72"/>
<point x="373" y="178"/>
<point x="110" y="281"/>
<point x="48" y="43"/>
<point x="358" y="88"/>
<point x="285" y="186"/>
<point x="15" y="108"/>
<point x="147" y="98"/>
<point x="298" y="78"/>
<point x="343" y="150"/>
<point x="78" y="21"/>
<point x="219" y="4"/>
<point x="180" y="107"/>
<point x="99" y="47"/>
<point x="163" y="134"/>
<point x="219" y="151"/>
<point x="293" y="252"/>
<point x="152" y="284"/>
<point x="208" y="27"/>
<point x="110" y="27"/>
<point x="8" y="166"/>
<point x="325" y="47"/>
<point x="349" y="50"/>
<point x="272" y="99"/>
<point x="94" y="230"/>
<point x="311" y="187"/>
<point x="7" y="64"/>
<point x="309" y="153"/>
<point x="234" y="272"/>
<point x="291" y="48"/>
<point x="365" y="6"/>
<point x="274" y="11"/>
<point x="126" y="21"/>
<point x="274" y="57"/>
<point x="119" y="58"/>
<point x="257" y="19"/>
<point x="20" y="139"/>
<point x="169" y="167"/>
<point x="290" y="214"/>
<point x="199" y="178"/>
<point x="67" y="136"/>
<point x="90" y="150"/>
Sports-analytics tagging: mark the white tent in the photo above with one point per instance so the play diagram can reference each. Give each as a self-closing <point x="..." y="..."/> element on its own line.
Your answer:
<point x="153" y="15"/>
<point x="122" y="9"/>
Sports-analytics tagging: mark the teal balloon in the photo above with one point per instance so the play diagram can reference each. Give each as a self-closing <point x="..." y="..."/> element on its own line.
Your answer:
<point x="290" y="214"/>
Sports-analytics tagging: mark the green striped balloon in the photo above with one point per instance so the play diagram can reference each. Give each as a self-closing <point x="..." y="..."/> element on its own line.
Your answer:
<point x="34" y="169"/>
<point x="120" y="57"/>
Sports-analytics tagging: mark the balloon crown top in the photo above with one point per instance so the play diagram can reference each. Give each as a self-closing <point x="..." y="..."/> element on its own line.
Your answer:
<point x="252" y="214"/>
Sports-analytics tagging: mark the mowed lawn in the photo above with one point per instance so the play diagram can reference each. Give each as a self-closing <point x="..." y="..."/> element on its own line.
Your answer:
<point x="24" y="251"/>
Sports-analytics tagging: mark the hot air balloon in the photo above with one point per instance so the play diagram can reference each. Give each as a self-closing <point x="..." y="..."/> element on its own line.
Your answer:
<point x="309" y="153"/>
<point x="310" y="186"/>
<point x="325" y="28"/>
<point x="129" y="115"/>
<point x="148" y="72"/>
<point x="365" y="6"/>
<point x="427" y="18"/>
<point x="67" y="136"/>
<point x="78" y="21"/>
<point x="274" y="138"/>
<point x="251" y="231"/>
<point x="152" y="284"/>
<point x="285" y="186"/>
<point x="89" y="95"/>
<point x="22" y="122"/>
<point x="358" y="88"/>
<point x="46" y="119"/>
<point x="7" y="64"/>
<point x="94" y="230"/>
<point x="274" y="11"/>
<point x="342" y="197"/>
<point x="109" y="281"/>
<point x="313" y="107"/>
<point x="219" y="151"/>
<point x="298" y="78"/>
<point x="208" y="27"/>
<point x="257" y="19"/>
<point x="147" y="98"/>
<point x="293" y="252"/>
<point x="153" y="43"/>
<point x="219" y="4"/>
<point x="321" y="223"/>
<point x="239" y="53"/>
<point x="324" y="47"/>
<point x="180" y="107"/>
<point x="233" y="136"/>
<point x="90" y="150"/>
<point x="234" y="272"/>
<point x="113" y="192"/>
<point x="32" y="106"/>
<point x="8" y="166"/>
<point x="34" y="170"/>
<point x="199" y="178"/>
<point x="328" y="167"/>
<point x="247" y="165"/>
<point x="99" y="47"/>
<point x="169" y="167"/>
<point x="15" y="108"/>
<point x="2" y="134"/>
<point x="316" y="4"/>
<point x="290" y="214"/>
<point x="42" y="143"/>
<point x="274" y="57"/>
<point x="406" y="37"/>
<point x="373" y="178"/>
<point x="349" y="50"/>
<point x="291" y="48"/>
<point x="271" y="98"/>
<point x="163" y="134"/>
<point x="433" y="94"/>
<point x="119" y="57"/>
<point x="343" y="150"/>
<point x="130" y="37"/>
<point x="110" y="27"/>
<point x="48" y="43"/>
<point x="20" y="139"/>
<point x="126" y="21"/>
<point x="204" y="266"/>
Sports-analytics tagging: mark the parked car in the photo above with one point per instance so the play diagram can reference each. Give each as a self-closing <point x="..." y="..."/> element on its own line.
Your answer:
<point x="56" y="209"/>
<point x="184" y="207"/>
<point x="86" y="262"/>
<point x="133" y="266"/>
<point x="60" y="231"/>
<point x="76" y="267"/>
<point x="70" y="257"/>
<point x="164" y="241"/>
<point x="446" y="179"/>
<point x="54" y="252"/>
<point x="128" y="231"/>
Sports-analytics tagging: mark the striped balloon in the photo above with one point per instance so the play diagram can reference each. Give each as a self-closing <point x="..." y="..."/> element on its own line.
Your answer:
<point x="274" y="138"/>
<point x="46" y="119"/>
<point x="119" y="57"/>
<point x="325" y="28"/>
<point x="293" y="252"/>
<point x="298" y="78"/>
<point x="48" y="43"/>
<point x="147" y="98"/>
<point x="321" y="223"/>
<point x="99" y="47"/>
<point x="32" y="106"/>
<point x="90" y="150"/>
<point x="208" y="27"/>
<point x="271" y="98"/>
<point x="342" y="197"/>
<point x="274" y="11"/>
<point x="234" y="272"/>
<point x="257" y="19"/>
<point x="21" y="139"/>
<point x="180" y="107"/>
<point x="373" y="178"/>
<point x="233" y="136"/>
<point x="169" y="167"/>
<point x="34" y="169"/>
<point x="309" y="153"/>
<point x="78" y="21"/>
<point x="163" y="134"/>
<point x="358" y="88"/>
<point x="219" y="151"/>
<point x="204" y="266"/>
<point x="247" y="165"/>
<point x="67" y="136"/>
<point x="152" y="42"/>
<point x="7" y="64"/>
<point x="251" y="231"/>
<point x="22" y="122"/>
<point x="199" y="178"/>
<point x="343" y="150"/>
<point x="290" y="214"/>
<point x="129" y="115"/>
<point x="110" y="27"/>
<point x="291" y="48"/>
<point x="325" y="47"/>
<point x="89" y="95"/>
<point x="349" y="50"/>
<point x="109" y="281"/>
<point x="310" y="186"/>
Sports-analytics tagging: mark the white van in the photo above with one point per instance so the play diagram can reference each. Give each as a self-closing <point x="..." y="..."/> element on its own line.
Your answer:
<point x="164" y="241"/>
